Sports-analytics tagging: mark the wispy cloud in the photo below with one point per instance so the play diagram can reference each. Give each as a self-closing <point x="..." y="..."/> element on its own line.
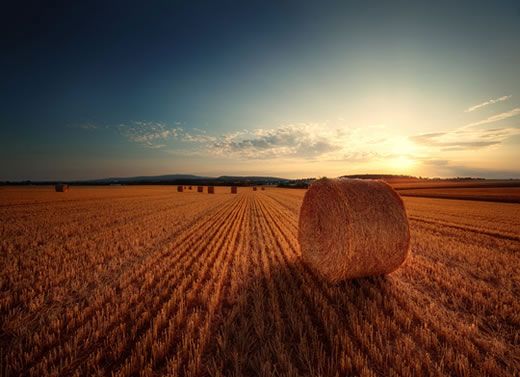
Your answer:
<point x="495" y="118"/>
<point x="295" y="141"/>
<point x="368" y="147"/>
<point x="464" y="138"/>
<point x="435" y="162"/>
<point x="302" y="141"/>
<point x="84" y="126"/>
<point x="149" y="134"/>
<point x="364" y="156"/>
<point x="471" y="136"/>
<point x="486" y="103"/>
<point x="456" y="168"/>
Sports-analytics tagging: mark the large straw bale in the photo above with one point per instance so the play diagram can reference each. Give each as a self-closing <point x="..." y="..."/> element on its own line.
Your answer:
<point x="211" y="189"/>
<point x="351" y="228"/>
<point x="200" y="189"/>
<point x="254" y="188"/>
<point x="180" y="188"/>
<point x="234" y="189"/>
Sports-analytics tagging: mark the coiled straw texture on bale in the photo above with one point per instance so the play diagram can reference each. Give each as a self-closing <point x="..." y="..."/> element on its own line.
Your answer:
<point x="352" y="228"/>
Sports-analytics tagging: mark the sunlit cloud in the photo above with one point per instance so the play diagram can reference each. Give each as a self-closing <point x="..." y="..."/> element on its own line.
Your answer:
<point x="297" y="141"/>
<point x="486" y="103"/>
<point x="198" y="136"/>
<point x="495" y="118"/>
<point x="374" y="148"/>
<point x="149" y="134"/>
<point x="363" y="156"/>
<point x="464" y="138"/>
<point x="435" y="162"/>
<point x="310" y="142"/>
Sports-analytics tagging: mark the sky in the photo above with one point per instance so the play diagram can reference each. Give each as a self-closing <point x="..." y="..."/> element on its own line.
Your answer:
<point x="283" y="88"/>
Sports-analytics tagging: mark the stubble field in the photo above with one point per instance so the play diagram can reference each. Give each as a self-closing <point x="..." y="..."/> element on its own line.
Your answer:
<point x="147" y="281"/>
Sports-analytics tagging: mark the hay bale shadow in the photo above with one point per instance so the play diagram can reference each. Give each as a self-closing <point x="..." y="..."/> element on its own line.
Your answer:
<point x="278" y="326"/>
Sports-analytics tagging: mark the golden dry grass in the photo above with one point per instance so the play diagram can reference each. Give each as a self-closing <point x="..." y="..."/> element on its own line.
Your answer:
<point x="494" y="194"/>
<point x="405" y="184"/>
<point x="147" y="281"/>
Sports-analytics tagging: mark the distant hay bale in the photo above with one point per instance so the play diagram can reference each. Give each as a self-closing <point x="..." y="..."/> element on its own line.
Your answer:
<point x="61" y="187"/>
<point x="351" y="228"/>
<point x="190" y="188"/>
<point x="234" y="189"/>
<point x="254" y="188"/>
<point x="211" y="189"/>
<point x="262" y="188"/>
<point x="200" y="189"/>
<point x="180" y="189"/>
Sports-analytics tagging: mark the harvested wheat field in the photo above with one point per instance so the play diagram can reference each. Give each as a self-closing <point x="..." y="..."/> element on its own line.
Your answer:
<point x="126" y="281"/>
<point x="497" y="194"/>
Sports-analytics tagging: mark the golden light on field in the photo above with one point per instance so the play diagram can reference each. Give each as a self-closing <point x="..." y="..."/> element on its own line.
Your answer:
<point x="147" y="280"/>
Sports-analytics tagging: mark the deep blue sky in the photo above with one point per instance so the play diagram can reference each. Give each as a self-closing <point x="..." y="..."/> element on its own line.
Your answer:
<point x="94" y="89"/>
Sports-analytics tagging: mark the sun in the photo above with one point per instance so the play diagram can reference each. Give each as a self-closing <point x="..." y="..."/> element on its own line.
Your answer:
<point x="402" y="164"/>
<point x="401" y="160"/>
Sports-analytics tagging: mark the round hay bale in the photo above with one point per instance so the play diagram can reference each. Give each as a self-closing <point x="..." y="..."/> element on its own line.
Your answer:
<point x="180" y="189"/>
<point x="234" y="189"/>
<point x="211" y="189"/>
<point x="254" y="188"/>
<point x="351" y="228"/>
<point x="61" y="187"/>
<point x="200" y="189"/>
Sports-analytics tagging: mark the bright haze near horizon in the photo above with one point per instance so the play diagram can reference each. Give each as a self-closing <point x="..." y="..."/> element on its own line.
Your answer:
<point x="285" y="88"/>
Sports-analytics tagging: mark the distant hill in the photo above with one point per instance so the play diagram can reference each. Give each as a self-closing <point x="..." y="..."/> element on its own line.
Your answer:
<point x="157" y="178"/>
<point x="227" y="178"/>
<point x="187" y="179"/>
<point x="385" y="177"/>
<point x="168" y="179"/>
